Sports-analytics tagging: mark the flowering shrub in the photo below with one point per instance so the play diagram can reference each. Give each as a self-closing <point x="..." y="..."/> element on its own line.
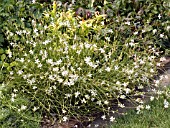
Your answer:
<point x="70" y="68"/>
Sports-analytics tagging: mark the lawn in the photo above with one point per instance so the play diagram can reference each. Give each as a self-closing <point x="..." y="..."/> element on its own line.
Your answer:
<point x="156" y="117"/>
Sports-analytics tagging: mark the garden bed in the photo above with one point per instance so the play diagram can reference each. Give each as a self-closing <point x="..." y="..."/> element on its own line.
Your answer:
<point x="73" y="65"/>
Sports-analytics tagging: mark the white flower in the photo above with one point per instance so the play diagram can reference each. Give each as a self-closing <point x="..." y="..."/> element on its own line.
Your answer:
<point x="20" y="72"/>
<point x="46" y="42"/>
<point x="35" y="108"/>
<point x="118" y="83"/>
<point x="35" y="30"/>
<point x="50" y="61"/>
<point x="127" y="90"/>
<point x="96" y="125"/>
<point x="93" y="93"/>
<point x="58" y="62"/>
<point x="122" y="96"/>
<point x="125" y="84"/>
<point x="12" y="99"/>
<point x="87" y="59"/>
<point x="34" y="87"/>
<point x="102" y="22"/>
<point x="60" y="80"/>
<point x="45" y="27"/>
<point x="31" y="52"/>
<point x="103" y="117"/>
<point x="110" y="30"/>
<point x="132" y="44"/>
<point x="10" y="54"/>
<point x="116" y="67"/>
<point x="19" y="32"/>
<point x="148" y="107"/>
<point x="13" y="95"/>
<point x="78" y="52"/>
<point x="56" y="69"/>
<point x="154" y="31"/>
<point x="22" y="19"/>
<point x="99" y="102"/>
<point x="12" y="44"/>
<point x="83" y="101"/>
<point x="166" y="104"/>
<point x="161" y="35"/>
<point x="107" y="38"/>
<point x="37" y="61"/>
<point x="143" y="31"/>
<point x="87" y="97"/>
<point x="24" y="31"/>
<point x="23" y="107"/>
<point x="132" y="40"/>
<point x="76" y="94"/>
<point x="89" y="126"/>
<point x="39" y="65"/>
<point x="159" y="16"/>
<point x="121" y="105"/>
<point x="15" y="90"/>
<point x="166" y="77"/>
<point x="157" y="82"/>
<point x="139" y="107"/>
<point x="108" y="69"/>
<point x="65" y="118"/>
<point x="89" y="75"/>
<point x="135" y="33"/>
<point x="151" y="70"/>
<point x="67" y="95"/>
<point x="162" y="59"/>
<point x="158" y="64"/>
<point x="64" y="73"/>
<point x="168" y="27"/>
<point x="106" y="102"/>
<point x="11" y="72"/>
<point x="128" y="23"/>
<point x="151" y="98"/>
<point x="102" y="50"/>
<point x="33" y="1"/>
<point x="31" y="81"/>
<point x="22" y="60"/>
<point x="112" y="118"/>
<point x="87" y="45"/>
<point x="64" y="111"/>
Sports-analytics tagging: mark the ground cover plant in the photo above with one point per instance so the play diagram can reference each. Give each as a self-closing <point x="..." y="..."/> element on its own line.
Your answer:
<point x="155" y="114"/>
<point x="55" y="63"/>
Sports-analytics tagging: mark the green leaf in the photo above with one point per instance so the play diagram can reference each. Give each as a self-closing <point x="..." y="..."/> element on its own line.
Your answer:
<point x="9" y="68"/>
<point x="1" y="63"/>
<point x="1" y="38"/>
<point x="5" y="64"/>
<point x="3" y="56"/>
<point x="13" y="64"/>
<point x="149" y="28"/>
<point x="1" y="51"/>
<point x="1" y="77"/>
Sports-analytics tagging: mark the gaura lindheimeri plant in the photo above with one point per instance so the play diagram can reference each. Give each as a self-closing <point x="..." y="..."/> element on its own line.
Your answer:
<point x="66" y="67"/>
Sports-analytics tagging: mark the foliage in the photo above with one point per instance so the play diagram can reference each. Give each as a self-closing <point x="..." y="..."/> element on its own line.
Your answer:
<point x="11" y="13"/>
<point x="64" y="66"/>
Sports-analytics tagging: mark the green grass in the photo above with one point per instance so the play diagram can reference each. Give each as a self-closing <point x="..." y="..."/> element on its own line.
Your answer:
<point x="156" y="117"/>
